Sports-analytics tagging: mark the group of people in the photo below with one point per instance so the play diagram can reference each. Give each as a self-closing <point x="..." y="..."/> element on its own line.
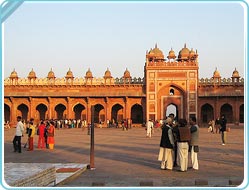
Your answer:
<point x="45" y="131"/>
<point x="219" y="126"/>
<point x="178" y="143"/>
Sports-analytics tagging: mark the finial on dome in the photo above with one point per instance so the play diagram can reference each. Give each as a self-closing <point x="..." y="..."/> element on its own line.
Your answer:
<point x="185" y="45"/>
<point x="156" y="45"/>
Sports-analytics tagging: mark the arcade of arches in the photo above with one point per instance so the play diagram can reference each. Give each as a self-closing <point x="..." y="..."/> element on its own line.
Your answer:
<point x="170" y="85"/>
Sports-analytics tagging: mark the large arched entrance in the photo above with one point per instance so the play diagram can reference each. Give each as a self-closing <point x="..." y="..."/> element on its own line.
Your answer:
<point x="41" y="109"/>
<point x="137" y="114"/>
<point x="60" y="108"/>
<point x="172" y="100"/>
<point x="207" y="113"/>
<point x="117" y="112"/>
<point x="227" y="110"/>
<point x="6" y="113"/>
<point x="23" y="111"/>
<point x="78" y="109"/>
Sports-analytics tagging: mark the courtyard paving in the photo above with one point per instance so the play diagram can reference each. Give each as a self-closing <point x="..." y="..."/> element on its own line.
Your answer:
<point x="129" y="159"/>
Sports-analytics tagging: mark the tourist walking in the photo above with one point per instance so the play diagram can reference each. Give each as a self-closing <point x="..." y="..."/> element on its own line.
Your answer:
<point x="217" y="125"/>
<point x="183" y="136"/>
<point x="18" y="135"/>
<point x="41" y="138"/>
<point x="149" y="128"/>
<point x="166" y="152"/>
<point x="50" y="133"/>
<point x="31" y="134"/>
<point x="223" y="129"/>
<point x="194" y="143"/>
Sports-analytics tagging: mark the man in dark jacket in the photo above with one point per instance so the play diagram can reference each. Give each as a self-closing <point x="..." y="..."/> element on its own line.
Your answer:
<point x="166" y="152"/>
<point x="223" y="129"/>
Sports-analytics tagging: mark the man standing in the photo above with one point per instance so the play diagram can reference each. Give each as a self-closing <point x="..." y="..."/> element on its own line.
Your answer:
<point x="166" y="152"/>
<point x="31" y="134"/>
<point x="183" y="138"/>
<point x="223" y="129"/>
<point x="149" y="126"/>
<point x="18" y="135"/>
<point x="194" y="142"/>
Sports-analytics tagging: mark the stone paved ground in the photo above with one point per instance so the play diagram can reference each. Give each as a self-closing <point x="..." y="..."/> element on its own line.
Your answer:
<point x="127" y="158"/>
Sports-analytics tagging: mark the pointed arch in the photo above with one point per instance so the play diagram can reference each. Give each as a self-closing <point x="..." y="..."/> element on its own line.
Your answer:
<point x="137" y="114"/>
<point x="42" y="111"/>
<point x="117" y="112"/>
<point x="60" y="109"/>
<point x="99" y="113"/>
<point x="241" y="113"/>
<point x="6" y="113"/>
<point x="207" y="113"/>
<point x="227" y="110"/>
<point x="23" y="110"/>
<point x="79" y="111"/>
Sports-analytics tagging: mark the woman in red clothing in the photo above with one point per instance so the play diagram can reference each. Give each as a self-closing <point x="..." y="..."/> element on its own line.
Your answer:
<point x="41" y="139"/>
<point x="50" y="139"/>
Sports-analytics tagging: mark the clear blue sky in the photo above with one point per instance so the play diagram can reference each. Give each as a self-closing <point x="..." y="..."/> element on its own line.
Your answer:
<point x="80" y="35"/>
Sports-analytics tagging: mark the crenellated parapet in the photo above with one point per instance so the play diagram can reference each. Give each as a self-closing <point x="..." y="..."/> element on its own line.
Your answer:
<point x="222" y="82"/>
<point x="69" y="79"/>
<point x="76" y="81"/>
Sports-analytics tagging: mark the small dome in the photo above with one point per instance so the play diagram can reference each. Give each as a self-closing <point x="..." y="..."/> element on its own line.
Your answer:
<point x="69" y="74"/>
<point x="107" y="74"/>
<point x="13" y="74"/>
<point x="156" y="52"/>
<point x="127" y="74"/>
<point x="51" y="74"/>
<point x="235" y="74"/>
<point x="216" y="74"/>
<point x="184" y="53"/>
<point x="89" y="74"/>
<point x="32" y="74"/>
<point x="192" y="53"/>
<point x="171" y="54"/>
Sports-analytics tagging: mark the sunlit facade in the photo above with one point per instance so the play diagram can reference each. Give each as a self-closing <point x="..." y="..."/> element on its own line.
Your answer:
<point x="167" y="82"/>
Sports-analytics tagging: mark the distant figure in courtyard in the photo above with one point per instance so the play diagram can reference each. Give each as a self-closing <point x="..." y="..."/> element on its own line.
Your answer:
<point x="223" y="129"/>
<point x="18" y="135"/>
<point x="217" y="125"/>
<point x="149" y="127"/>
<point x="51" y="131"/>
<point x="183" y="136"/>
<point x="211" y="126"/>
<point x="31" y="134"/>
<point x="166" y="152"/>
<point x="194" y="143"/>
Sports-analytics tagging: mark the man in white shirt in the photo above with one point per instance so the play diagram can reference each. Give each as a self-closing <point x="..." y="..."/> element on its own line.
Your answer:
<point x="150" y="127"/>
<point x="18" y="135"/>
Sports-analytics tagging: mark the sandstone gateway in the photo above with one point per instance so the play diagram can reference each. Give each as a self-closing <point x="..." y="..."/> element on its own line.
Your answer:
<point x="171" y="81"/>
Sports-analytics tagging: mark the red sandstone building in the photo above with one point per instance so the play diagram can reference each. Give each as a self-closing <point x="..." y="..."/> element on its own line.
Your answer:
<point x="171" y="81"/>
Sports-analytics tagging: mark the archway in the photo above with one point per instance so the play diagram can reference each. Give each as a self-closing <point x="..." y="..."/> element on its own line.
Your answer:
<point x="42" y="109"/>
<point x="171" y="108"/>
<point x="137" y="114"/>
<point x="227" y="110"/>
<point x="60" y="108"/>
<point x="99" y="114"/>
<point x="207" y="113"/>
<point x="23" y="111"/>
<point x="241" y="113"/>
<point x="6" y="113"/>
<point x="117" y="112"/>
<point x="78" y="111"/>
